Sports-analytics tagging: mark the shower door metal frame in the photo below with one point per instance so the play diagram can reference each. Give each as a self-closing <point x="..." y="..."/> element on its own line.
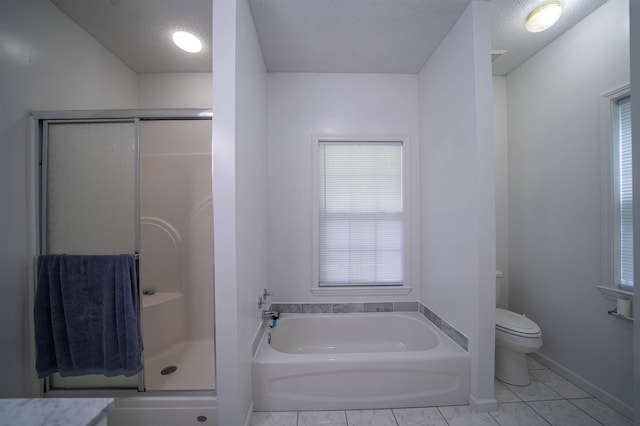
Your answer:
<point x="44" y="243"/>
<point x="38" y="129"/>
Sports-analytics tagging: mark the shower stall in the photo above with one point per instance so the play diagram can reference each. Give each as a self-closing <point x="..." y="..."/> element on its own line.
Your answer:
<point x="137" y="182"/>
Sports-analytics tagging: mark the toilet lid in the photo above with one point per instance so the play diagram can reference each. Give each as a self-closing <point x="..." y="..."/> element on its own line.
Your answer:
<point x="510" y="321"/>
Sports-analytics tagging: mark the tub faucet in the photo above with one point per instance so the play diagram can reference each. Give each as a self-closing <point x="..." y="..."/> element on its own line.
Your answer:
<point x="270" y="314"/>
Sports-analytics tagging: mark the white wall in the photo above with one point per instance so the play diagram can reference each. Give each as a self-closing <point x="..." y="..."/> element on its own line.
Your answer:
<point x="46" y="62"/>
<point x="239" y="187"/>
<point x="174" y="90"/>
<point x="555" y="199"/>
<point x="301" y="105"/>
<point x="502" y="187"/>
<point x="458" y="191"/>
<point x="251" y="188"/>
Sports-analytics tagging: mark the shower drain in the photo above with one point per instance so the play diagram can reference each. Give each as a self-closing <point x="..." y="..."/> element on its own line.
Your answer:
<point x="168" y="370"/>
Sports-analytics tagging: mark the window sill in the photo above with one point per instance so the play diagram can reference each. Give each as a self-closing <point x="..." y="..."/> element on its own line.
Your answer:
<point x="612" y="293"/>
<point x="615" y="314"/>
<point x="360" y="291"/>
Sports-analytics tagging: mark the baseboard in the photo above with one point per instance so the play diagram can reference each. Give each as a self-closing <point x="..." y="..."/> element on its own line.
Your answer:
<point x="594" y="390"/>
<point x="483" y="405"/>
<point x="247" y="417"/>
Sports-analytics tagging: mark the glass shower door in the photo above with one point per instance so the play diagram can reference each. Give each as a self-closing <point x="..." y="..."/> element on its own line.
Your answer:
<point x="90" y="203"/>
<point x="176" y="255"/>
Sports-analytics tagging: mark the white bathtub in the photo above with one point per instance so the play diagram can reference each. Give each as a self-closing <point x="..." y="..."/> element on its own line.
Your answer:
<point x="358" y="361"/>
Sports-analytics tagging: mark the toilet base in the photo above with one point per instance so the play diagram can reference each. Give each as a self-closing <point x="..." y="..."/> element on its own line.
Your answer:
<point x="511" y="366"/>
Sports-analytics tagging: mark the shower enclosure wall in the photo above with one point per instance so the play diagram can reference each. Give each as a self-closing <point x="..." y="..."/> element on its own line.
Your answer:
<point x="138" y="181"/>
<point x="176" y="254"/>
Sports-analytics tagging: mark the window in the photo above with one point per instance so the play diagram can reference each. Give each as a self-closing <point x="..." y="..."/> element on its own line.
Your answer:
<point x="616" y="195"/>
<point x="623" y="193"/>
<point x="360" y="214"/>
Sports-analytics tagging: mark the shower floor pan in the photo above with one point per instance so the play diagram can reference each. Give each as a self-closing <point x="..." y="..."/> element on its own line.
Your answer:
<point x="194" y="367"/>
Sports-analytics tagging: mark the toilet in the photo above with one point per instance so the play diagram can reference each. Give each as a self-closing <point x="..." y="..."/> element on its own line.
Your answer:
<point x="516" y="336"/>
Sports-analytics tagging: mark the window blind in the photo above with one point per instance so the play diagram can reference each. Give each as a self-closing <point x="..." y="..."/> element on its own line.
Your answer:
<point x="626" y="193"/>
<point x="360" y="213"/>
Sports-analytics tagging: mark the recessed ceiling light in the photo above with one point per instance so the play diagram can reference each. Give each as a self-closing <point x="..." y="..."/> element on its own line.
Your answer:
<point x="543" y="16"/>
<point x="187" y="41"/>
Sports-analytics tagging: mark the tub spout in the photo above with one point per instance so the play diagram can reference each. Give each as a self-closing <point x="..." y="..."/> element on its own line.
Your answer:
<point x="270" y="314"/>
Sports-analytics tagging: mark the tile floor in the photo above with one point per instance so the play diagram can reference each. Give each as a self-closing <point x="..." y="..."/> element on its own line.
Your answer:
<point x="548" y="400"/>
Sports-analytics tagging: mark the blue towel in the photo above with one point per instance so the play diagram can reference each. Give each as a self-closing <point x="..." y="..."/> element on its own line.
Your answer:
<point x="86" y="315"/>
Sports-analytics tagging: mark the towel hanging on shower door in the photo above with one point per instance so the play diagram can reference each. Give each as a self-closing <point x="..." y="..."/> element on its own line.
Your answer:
<point x="87" y="315"/>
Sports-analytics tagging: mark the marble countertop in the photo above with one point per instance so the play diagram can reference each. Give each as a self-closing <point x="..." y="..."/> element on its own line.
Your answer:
<point x="54" y="411"/>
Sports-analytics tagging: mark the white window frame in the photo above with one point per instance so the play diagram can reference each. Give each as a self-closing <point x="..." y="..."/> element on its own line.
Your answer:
<point x="609" y="286"/>
<point x="362" y="290"/>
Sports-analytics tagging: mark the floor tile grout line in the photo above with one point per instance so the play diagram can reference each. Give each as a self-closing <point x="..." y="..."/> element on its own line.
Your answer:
<point x="494" y="417"/>
<point x="565" y="399"/>
<point x="538" y="413"/>
<point x="394" y="417"/>
<point x="570" y="399"/>
<point x="562" y="379"/>
<point x="527" y="403"/>
<point x="544" y="400"/>
<point x="442" y="415"/>
<point x="579" y="408"/>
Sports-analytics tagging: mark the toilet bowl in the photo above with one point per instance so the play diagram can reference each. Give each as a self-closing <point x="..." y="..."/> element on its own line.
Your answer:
<point x="516" y="336"/>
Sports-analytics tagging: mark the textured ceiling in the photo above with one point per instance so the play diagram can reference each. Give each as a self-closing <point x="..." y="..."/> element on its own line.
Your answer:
<point x="352" y="35"/>
<point x="384" y="36"/>
<point x="139" y="31"/>
<point x="508" y="32"/>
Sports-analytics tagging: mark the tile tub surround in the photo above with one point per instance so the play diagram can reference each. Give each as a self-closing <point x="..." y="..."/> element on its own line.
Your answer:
<point x="562" y="403"/>
<point x="343" y="308"/>
<point x="346" y="308"/>
<point x="55" y="411"/>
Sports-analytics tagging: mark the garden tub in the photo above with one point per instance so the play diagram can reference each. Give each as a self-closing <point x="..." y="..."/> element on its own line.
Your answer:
<point x="358" y="361"/>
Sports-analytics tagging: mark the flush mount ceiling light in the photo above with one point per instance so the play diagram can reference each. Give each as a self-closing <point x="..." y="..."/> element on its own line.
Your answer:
<point x="187" y="41"/>
<point x="543" y="16"/>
